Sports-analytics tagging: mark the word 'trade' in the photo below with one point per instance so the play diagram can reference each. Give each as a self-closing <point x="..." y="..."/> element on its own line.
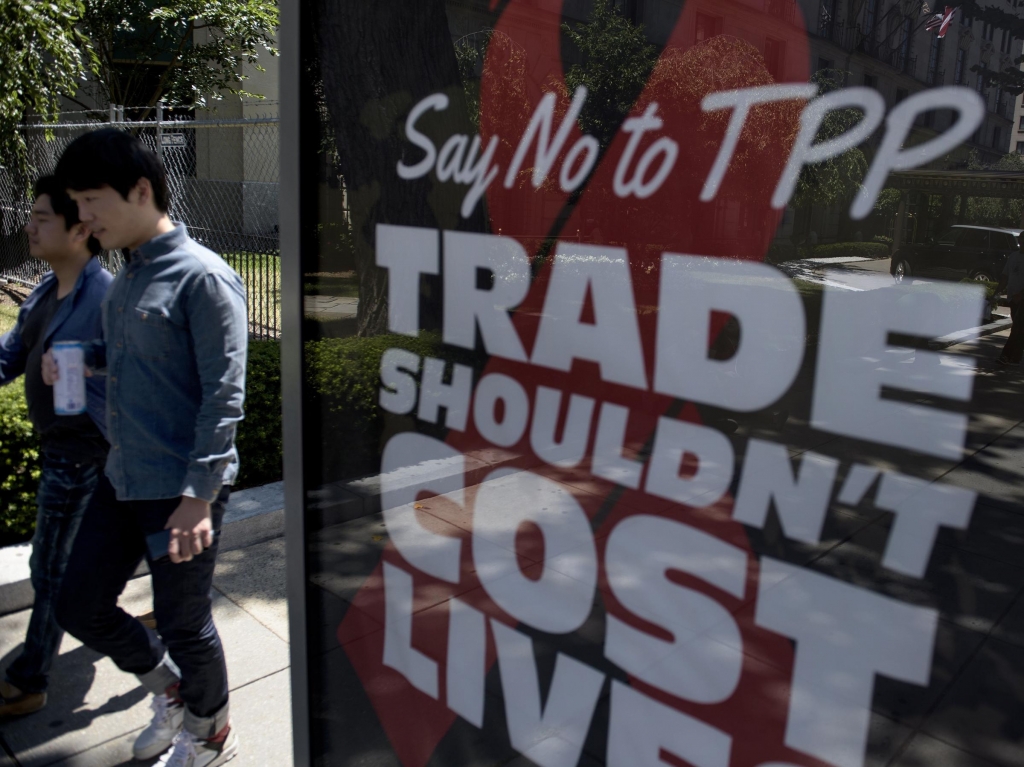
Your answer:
<point x="852" y="368"/>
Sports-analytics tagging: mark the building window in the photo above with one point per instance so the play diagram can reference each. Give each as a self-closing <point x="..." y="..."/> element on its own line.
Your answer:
<point x="901" y="94"/>
<point x="823" y="63"/>
<point x="870" y="81"/>
<point x="775" y="58"/>
<point x="1020" y="147"/>
<point x="966" y="20"/>
<point x="997" y="136"/>
<point x="826" y="17"/>
<point x="780" y="8"/>
<point x="1020" y="125"/>
<point x="870" y="19"/>
<point x="958" y="71"/>
<point x="707" y="27"/>
<point x="987" y="31"/>
<point x="934" y="57"/>
<point x="1006" y="43"/>
<point x="904" y="49"/>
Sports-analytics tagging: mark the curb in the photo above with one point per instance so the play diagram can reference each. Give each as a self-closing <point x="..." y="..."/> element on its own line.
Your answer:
<point x="971" y="334"/>
<point x="253" y="516"/>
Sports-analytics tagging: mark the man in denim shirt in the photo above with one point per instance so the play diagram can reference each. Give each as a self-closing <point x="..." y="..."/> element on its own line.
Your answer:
<point x="175" y="335"/>
<point x="65" y="306"/>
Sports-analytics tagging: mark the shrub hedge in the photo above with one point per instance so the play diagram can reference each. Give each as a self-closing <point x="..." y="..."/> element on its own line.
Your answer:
<point x="852" y="249"/>
<point x="259" y="435"/>
<point x="343" y="376"/>
<point x="19" y="466"/>
<point x="259" y="441"/>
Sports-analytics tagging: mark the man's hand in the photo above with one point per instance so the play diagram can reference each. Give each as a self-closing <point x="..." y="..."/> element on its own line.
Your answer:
<point x="50" y="372"/>
<point x="191" y="530"/>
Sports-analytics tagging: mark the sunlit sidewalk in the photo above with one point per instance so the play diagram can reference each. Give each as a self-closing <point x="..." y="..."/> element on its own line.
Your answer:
<point x="95" y="711"/>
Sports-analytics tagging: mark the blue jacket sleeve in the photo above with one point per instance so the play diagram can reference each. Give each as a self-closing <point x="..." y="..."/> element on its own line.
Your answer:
<point x="12" y="353"/>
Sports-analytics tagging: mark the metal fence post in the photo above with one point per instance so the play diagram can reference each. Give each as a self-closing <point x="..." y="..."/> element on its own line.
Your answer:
<point x="230" y="208"/>
<point x="160" y="130"/>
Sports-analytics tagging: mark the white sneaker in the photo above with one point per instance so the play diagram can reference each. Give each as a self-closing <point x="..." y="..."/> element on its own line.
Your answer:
<point x="168" y="716"/>
<point x="189" y="751"/>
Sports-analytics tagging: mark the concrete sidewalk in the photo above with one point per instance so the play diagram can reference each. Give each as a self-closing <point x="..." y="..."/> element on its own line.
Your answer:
<point x="95" y="711"/>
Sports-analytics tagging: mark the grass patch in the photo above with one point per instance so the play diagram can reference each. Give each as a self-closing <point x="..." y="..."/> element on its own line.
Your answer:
<point x="261" y="275"/>
<point x="8" y="317"/>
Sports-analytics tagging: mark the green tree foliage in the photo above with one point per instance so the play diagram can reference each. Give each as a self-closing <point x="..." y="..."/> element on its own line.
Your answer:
<point x="837" y="179"/>
<point x="615" y="63"/>
<point x="994" y="211"/>
<point x="888" y="202"/>
<point x="181" y="51"/>
<point x="42" y="56"/>
<point x="507" y="71"/>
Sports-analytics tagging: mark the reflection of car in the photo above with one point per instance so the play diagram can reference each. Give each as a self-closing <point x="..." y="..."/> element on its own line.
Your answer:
<point x="978" y="252"/>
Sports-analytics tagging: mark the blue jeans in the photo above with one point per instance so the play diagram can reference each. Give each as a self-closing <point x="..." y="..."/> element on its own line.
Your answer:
<point x="65" y="487"/>
<point x="110" y="545"/>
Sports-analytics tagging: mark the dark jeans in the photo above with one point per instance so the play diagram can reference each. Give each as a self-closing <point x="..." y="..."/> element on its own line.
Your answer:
<point x="111" y="544"/>
<point x="1014" y="348"/>
<point x="65" y="487"/>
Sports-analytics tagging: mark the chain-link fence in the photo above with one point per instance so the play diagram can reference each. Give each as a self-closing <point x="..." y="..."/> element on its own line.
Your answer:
<point x="223" y="180"/>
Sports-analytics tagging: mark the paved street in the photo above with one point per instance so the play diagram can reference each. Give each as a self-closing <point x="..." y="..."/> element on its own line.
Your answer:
<point x="852" y="273"/>
<point x="330" y="307"/>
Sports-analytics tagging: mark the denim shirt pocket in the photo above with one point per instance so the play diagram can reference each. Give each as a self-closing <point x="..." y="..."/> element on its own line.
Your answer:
<point x="149" y="332"/>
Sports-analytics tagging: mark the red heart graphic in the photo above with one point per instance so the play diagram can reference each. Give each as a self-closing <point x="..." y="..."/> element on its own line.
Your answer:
<point x="523" y="62"/>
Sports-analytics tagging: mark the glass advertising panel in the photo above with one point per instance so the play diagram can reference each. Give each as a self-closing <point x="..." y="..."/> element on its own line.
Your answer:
<point x="655" y="404"/>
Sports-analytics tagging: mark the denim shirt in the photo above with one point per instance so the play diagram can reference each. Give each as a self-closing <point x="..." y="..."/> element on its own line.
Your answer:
<point x="77" y="319"/>
<point x="176" y="332"/>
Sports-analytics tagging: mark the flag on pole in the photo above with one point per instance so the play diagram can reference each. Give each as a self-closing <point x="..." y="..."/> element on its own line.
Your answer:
<point x="940" y="21"/>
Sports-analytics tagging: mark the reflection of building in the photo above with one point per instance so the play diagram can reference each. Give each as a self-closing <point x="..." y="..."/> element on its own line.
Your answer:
<point x="1017" y="129"/>
<point x="883" y="44"/>
<point x="880" y="44"/>
<point x="237" y="168"/>
<point x="230" y="171"/>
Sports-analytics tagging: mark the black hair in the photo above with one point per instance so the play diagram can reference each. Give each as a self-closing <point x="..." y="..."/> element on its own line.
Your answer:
<point x="112" y="157"/>
<point x="63" y="206"/>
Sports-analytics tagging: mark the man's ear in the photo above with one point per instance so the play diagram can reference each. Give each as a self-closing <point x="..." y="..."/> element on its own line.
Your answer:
<point x="143" y="191"/>
<point x="79" y="233"/>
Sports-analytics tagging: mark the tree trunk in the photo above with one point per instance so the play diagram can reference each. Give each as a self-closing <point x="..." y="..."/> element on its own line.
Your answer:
<point x="377" y="60"/>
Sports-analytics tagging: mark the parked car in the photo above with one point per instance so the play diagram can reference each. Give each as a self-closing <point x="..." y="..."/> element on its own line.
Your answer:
<point x="978" y="252"/>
